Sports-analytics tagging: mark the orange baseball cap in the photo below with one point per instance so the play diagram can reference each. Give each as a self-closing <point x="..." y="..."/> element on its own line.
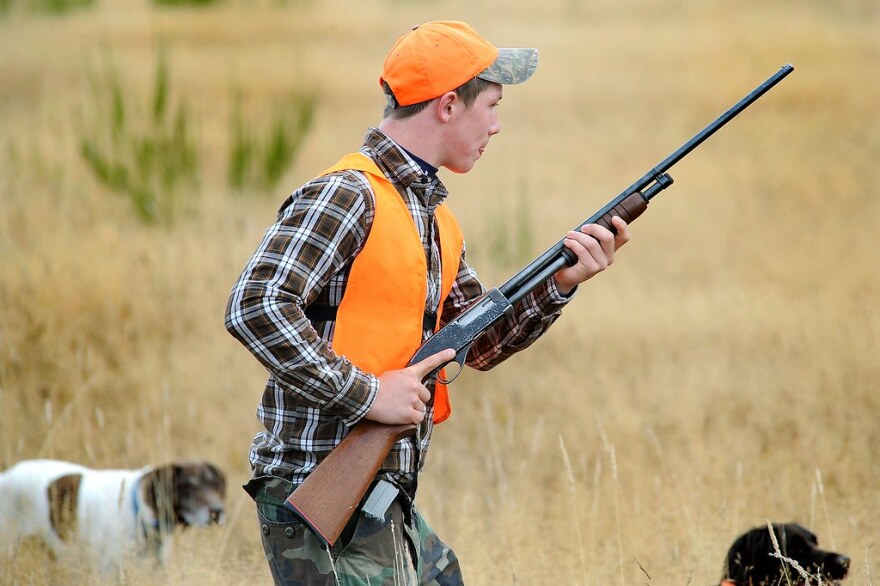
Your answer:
<point x="439" y="56"/>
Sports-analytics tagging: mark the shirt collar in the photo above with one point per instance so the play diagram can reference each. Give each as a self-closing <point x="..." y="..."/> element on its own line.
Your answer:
<point x="429" y="169"/>
<point x="398" y="163"/>
<point x="402" y="167"/>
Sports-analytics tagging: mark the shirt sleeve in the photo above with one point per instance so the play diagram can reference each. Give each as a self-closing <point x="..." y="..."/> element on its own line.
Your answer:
<point x="531" y="317"/>
<point x="319" y="230"/>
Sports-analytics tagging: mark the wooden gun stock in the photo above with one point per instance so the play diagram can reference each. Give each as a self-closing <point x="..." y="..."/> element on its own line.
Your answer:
<point x="329" y="495"/>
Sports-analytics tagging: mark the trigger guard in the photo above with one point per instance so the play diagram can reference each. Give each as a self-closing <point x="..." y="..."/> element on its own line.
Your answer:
<point x="459" y="359"/>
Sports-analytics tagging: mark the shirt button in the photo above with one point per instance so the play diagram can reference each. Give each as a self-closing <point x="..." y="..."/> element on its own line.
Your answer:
<point x="288" y="531"/>
<point x="265" y="529"/>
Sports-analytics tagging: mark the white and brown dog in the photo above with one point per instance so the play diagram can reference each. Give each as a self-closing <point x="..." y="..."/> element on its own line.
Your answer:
<point x="107" y="514"/>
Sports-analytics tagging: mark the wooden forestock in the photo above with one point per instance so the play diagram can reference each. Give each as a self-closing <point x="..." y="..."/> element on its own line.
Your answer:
<point x="629" y="209"/>
<point x="328" y="497"/>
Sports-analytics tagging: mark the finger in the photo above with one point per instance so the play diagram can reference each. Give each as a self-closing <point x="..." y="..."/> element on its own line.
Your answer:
<point x="607" y="241"/>
<point x="589" y="250"/>
<point x="622" y="236"/>
<point x="604" y="236"/>
<point x="432" y="362"/>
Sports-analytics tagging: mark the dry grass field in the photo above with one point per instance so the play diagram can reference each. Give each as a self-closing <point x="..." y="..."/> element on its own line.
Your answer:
<point x="724" y="372"/>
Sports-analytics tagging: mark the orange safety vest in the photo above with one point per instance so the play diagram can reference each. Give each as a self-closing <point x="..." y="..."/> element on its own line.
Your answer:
<point x="379" y="321"/>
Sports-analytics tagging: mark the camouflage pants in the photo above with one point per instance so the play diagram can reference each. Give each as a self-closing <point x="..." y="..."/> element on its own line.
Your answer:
<point x="402" y="549"/>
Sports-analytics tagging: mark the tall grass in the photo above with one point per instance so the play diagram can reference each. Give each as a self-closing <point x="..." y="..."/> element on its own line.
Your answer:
<point x="150" y="155"/>
<point x="147" y="154"/>
<point x="59" y="7"/>
<point x="699" y="384"/>
<point x="259" y="158"/>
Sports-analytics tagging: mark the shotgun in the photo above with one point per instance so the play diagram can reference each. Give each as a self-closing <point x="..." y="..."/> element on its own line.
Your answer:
<point x="331" y="493"/>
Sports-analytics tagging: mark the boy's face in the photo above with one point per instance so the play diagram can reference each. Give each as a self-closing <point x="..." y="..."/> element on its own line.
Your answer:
<point x="470" y="129"/>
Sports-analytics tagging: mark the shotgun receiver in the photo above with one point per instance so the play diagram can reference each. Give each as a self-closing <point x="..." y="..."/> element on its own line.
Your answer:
<point x="330" y="495"/>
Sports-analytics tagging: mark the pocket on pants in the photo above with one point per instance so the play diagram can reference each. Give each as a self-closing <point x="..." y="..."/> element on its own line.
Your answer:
<point x="294" y="554"/>
<point x="379" y="551"/>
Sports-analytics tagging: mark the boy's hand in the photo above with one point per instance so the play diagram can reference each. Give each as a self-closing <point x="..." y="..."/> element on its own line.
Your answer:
<point x="402" y="398"/>
<point x="594" y="246"/>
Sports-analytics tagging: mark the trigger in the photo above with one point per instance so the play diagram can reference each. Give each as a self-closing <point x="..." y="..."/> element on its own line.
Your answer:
<point x="458" y="362"/>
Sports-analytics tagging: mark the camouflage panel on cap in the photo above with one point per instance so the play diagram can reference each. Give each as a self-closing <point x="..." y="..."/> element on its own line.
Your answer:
<point x="512" y="66"/>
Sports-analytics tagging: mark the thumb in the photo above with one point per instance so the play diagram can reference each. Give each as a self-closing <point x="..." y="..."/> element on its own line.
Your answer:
<point x="433" y="362"/>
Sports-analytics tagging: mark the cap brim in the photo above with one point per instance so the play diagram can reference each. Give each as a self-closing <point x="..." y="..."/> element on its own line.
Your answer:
<point x="512" y="66"/>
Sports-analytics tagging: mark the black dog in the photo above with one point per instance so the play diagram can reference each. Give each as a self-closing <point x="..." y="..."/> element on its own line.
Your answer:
<point x="750" y="563"/>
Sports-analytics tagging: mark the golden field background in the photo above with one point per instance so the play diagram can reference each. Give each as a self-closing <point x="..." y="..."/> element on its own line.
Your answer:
<point x="724" y="372"/>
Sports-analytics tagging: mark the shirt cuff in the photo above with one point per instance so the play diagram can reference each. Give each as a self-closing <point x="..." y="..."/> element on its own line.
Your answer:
<point x="555" y="297"/>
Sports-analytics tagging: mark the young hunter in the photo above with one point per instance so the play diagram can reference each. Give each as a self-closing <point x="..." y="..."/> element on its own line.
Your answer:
<point x="364" y="263"/>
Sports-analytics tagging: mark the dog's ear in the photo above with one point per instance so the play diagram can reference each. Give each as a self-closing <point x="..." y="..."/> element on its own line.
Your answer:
<point x="796" y="542"/>
<point x="748" y="559"/>
<point x="808" y="535"/>
<point x="157" y="491"/>
<point x="63" y="495"/>
<point x="183" y="479"/>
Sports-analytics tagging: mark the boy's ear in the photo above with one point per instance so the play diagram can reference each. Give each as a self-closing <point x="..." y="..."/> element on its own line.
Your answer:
<point x="445" y="105"/>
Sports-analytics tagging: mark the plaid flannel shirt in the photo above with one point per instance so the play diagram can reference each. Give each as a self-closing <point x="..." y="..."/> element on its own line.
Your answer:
<point x="313" y="396"/>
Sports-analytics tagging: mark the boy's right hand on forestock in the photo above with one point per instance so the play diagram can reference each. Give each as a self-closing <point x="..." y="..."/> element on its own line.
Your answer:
<point x="402" y="398"/>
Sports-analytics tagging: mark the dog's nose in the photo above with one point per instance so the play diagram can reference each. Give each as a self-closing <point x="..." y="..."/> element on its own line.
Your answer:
<point x="843" y="561"/>
<point x="216" y="514"/>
